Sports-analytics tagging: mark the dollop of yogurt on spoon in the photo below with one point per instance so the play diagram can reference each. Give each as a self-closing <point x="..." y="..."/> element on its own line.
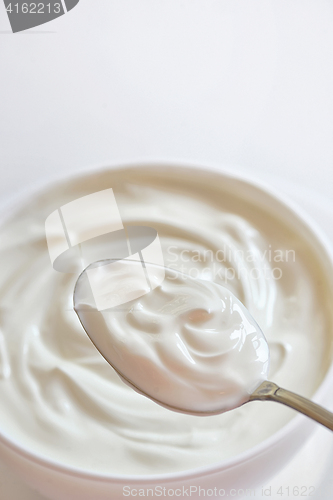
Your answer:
<point x="188" y="344"/>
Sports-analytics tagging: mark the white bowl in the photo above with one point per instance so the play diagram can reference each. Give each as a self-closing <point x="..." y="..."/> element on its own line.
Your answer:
<point x="233" y="476"/>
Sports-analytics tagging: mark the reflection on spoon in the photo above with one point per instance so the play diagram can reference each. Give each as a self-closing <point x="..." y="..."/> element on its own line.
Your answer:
<point x="188" y="344"/>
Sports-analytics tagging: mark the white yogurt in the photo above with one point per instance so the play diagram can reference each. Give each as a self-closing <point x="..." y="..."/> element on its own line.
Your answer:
<point x="188" y="344"/>
<point x="60" y="397"/>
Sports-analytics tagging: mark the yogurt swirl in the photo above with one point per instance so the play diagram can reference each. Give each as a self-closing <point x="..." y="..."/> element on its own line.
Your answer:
<point x="189" y="344"/>
<point x="60" y="397"/>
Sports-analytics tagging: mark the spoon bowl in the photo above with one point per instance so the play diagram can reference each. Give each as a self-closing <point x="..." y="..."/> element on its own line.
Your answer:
<point x="187" y="344"/>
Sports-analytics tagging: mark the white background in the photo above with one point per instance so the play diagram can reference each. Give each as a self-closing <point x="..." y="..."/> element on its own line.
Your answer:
<point x="245" y="84"/>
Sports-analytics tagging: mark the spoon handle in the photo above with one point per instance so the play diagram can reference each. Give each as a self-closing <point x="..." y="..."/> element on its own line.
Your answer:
<point x="268" y="391"/>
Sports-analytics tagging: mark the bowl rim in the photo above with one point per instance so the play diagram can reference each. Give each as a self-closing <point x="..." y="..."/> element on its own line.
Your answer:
<point x="13" y="204"/>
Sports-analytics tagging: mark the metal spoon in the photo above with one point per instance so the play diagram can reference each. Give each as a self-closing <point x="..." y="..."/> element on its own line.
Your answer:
<point x="267" y="391"/>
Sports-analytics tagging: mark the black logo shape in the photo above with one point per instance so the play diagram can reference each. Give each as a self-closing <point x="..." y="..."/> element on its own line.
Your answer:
<point x="24" y="15"/>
